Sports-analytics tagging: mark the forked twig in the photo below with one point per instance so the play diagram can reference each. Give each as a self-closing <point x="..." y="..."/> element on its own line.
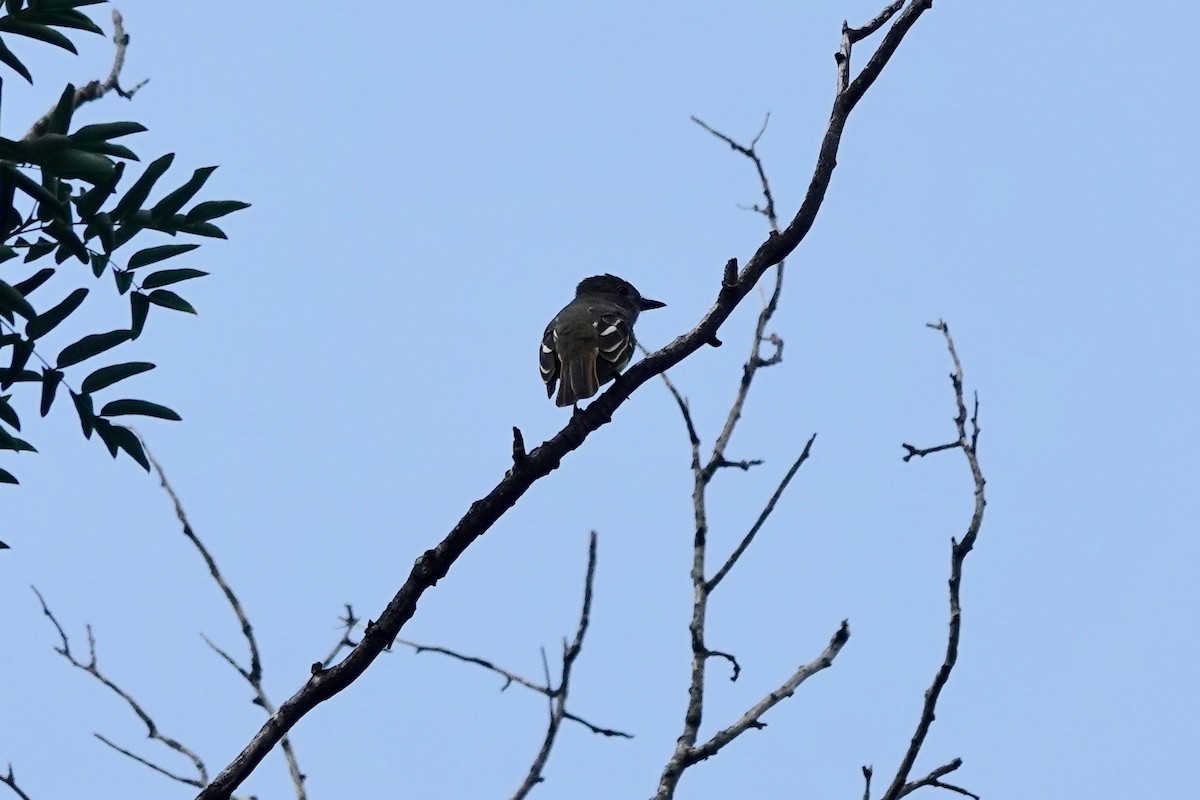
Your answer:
<point x="97" y="89"/>
<point x="966" y="441"/>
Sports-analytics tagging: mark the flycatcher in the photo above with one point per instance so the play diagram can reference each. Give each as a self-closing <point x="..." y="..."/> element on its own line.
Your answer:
<point x="590" y="341"/>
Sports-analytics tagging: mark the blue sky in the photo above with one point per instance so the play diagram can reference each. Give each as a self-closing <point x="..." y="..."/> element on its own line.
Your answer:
<point x="429" y="183"/>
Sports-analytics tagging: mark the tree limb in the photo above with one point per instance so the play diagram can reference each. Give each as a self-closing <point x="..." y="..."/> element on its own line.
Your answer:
<point x="97" y="89"/>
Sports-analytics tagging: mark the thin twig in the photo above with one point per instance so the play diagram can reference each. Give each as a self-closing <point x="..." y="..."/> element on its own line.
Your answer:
<point x="755" y="361"/>
<point x="934" y="779"/>
<point x="762" y="517"/>
<point x="91" y="667"/>
<point x="253" y="675"/>
<point x="966" y="441"/>
<point x="97" y="89"/>
<point x="147" y="763"/>
<point x="348" y="624"/>
<point x="509" y="679"/>
<point x="558" y="697"/>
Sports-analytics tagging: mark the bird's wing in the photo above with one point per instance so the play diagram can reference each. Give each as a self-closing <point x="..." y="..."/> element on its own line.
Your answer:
<point x="548" y="359"/>
<point x="616" y="342"/>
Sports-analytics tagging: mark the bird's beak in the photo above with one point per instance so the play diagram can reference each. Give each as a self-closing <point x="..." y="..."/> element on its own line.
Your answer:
<point x="646" y="304"/>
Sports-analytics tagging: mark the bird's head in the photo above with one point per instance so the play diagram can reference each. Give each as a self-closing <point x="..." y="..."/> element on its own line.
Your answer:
<point x="611" y="286"/>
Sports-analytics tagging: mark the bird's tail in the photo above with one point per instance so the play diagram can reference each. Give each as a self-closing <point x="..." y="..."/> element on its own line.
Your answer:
<point x="577" y="379"/>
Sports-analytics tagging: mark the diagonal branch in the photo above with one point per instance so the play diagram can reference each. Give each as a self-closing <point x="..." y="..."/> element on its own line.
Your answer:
<point x="150" y="764"/>
<point x="435" y="563"/>
<point x="959" y="550"/>
<point x="751" y="718"/>
<point x="762" y="517"/>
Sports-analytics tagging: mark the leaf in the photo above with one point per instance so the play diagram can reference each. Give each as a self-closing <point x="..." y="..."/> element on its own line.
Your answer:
<point x="137" y="194"/>
<point x="91" y="345"/>
<point x="71" y="244"/>
<point x="13" y="300"/>
<point x="47" y="321"/>
<point x="42" y="33"/>
<point x="6" y="477"/>
<point x="99" y="263"/>
<point x="104" y="230"/>
<point x="117" y="408"/>
<point x="90" y="201"/>
<point x="60" y="117"/>
<point x="203" y="229"/>
<point x="139" y="308"/>
<point x="8" y="413"/>
<point x="10" y="442"/>
<point x="16" y="371"/>
<point x="9" y="376"/>
<point x="212" y="209"/>
<point x="14" y="63"/>
<point x="35" y="280"/>
<point x="67" y="18"/>
<point x="118" y="436"/>
<point x="51" y="378"/>
<point x="168" y="299"/>
<point x="124" y="280"/>
<point x="34" y="189"/>
<point x="107" y="376"/>
<point x="152" y="255"/>
<point x="39" y="248"/>
<point x="109" y="149"/>
<point x="166" y="277"/>
<point x="106" y="131"/>
<point x="174" y="201"/>
<point x="83" y="407"/>
<point x="90" y="167"/>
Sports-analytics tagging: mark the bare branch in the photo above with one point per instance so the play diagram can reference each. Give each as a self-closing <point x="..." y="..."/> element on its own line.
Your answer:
<point x="755" y="360"/>
<point x="934" y="779"/>
<point x="146" y="763"/>
<point x="434" y="564"/>
<point x="558" y="697"/>
<point x="959" y="550"/>
<point x="684" y="758"/>
<point x="509" y="679"/>
<point x="767" y="210"/>
<point x="254" y="673"/>
<point x="97" y="89"/>
<point x="762" y="517"/>
<point x="858" y="34"/>
<point x="349" y="623"/>
<point x="10" y="781"/>
<point x="751" y="718"/>
<point x="92" y="668"/>
<point x="867" y="772"/>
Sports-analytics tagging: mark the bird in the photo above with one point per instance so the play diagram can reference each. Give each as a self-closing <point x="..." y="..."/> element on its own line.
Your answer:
<point x="590" y="341"/>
